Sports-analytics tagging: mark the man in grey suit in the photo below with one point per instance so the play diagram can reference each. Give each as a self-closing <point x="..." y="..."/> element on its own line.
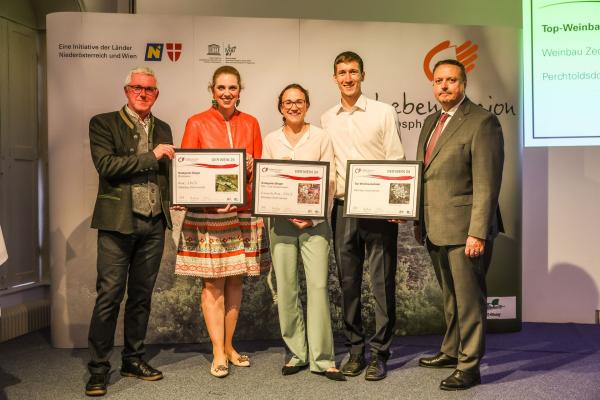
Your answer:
<point x="463" y="153"/>
<point x="131" y="150"/>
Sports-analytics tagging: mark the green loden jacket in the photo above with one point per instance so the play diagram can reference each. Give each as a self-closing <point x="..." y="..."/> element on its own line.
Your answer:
<point x="113" y="143"/>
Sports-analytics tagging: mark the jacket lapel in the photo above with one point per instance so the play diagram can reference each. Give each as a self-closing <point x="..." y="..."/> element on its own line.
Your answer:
<point x="455" y="122"/>
<point x="131" y="136"/>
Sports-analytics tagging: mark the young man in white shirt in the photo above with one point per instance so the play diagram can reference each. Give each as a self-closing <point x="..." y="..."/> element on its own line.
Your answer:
<point x="363" y="129"/>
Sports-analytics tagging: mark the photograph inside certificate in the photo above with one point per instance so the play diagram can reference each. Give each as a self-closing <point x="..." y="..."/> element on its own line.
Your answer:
<point x="383" y="189"/>
<point x="208" y="177"/>
<point x="291" y="189"/>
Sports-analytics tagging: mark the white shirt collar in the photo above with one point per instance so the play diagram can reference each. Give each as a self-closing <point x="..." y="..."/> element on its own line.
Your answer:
<point x="361" y="104"/>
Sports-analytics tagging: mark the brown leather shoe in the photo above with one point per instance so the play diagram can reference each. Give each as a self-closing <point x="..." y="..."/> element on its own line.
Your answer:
<point x="440" y="360"/>
<point x="140" y="369"/>
<point x="461" y="380"/>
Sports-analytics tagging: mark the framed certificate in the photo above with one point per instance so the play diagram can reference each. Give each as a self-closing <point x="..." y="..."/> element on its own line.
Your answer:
<point x="208" y="177"/>
<point x="383" y="189"/>
<point x="292" y="189"/>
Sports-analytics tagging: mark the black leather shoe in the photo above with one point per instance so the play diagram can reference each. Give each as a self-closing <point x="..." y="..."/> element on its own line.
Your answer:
<point x="96" y="385"/>
<point x="140" y="369"/>
<point x="377" y="369"/>
<point x="440" y="360"/>
<point x="292" y="369"/>
<point x="354" y="366"/>
<point x="460" y="380"/>
<point x="335" y="376"/>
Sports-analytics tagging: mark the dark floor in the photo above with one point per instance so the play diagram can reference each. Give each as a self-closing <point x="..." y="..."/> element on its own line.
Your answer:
<point x="543" y="361"/>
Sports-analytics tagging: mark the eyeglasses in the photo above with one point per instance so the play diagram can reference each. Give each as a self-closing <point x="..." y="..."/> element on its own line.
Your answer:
<point x="288" y="104"/>
<point x="150" y="90"/>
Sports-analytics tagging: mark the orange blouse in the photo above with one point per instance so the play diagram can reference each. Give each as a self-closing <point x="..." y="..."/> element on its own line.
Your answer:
<point x="208" y="130"/>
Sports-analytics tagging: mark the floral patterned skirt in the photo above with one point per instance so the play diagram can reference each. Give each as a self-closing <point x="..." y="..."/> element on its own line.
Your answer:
<point x="221" y="245"/>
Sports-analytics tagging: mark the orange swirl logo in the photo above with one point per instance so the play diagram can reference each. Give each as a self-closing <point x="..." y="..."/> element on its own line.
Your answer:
<point x="466" y="53"/>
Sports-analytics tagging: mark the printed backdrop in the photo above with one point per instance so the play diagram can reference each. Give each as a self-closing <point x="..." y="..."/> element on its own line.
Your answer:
<point x="89" y="56"/>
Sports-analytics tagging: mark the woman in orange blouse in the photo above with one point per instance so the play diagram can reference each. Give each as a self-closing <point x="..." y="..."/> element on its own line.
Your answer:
<point x="223" y="245"/>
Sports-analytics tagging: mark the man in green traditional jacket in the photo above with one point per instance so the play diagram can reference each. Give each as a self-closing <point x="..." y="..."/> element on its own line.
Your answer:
<point x="131" y="150"/>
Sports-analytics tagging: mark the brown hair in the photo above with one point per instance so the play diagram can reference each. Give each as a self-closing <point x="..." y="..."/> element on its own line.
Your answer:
<point x="346" y="57"/>
<point x="225" y="69"/>
<point x="292" y="86"/>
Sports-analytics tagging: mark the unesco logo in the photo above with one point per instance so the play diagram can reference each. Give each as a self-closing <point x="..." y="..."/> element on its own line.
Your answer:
<point x="215" y="50"/>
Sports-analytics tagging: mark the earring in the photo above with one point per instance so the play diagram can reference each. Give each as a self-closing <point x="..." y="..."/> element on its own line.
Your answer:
<point x="214" y="103"/>
<point x="237" y="102"/>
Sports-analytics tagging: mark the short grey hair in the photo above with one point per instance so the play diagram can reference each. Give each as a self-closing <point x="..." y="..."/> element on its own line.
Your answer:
<point x="139" y="70"/>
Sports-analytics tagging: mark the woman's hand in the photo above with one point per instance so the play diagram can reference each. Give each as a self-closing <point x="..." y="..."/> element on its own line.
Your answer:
<point x="227" y="209"/>
<point x="249" y="164"/>
<point x="301" y="223"/>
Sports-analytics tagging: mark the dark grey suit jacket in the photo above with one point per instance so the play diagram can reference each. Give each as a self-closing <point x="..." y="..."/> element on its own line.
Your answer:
<point x="461" y="184"/>
<point x="113" y="143"/>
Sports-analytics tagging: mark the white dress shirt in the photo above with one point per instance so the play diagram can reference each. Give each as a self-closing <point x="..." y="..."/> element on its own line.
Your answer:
<point x="369" y="131"/>
<point x="314" y="145"/>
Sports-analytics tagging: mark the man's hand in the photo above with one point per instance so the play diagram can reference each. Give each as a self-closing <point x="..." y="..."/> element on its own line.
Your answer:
<point x="164" y="150"/>
<point x="474" y="247"/>
<point x="397" y="221"/>
<point x="301" y="223"/>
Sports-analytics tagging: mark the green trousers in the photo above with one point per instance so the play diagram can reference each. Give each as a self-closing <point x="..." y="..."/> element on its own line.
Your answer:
<point x="313" y="243"/>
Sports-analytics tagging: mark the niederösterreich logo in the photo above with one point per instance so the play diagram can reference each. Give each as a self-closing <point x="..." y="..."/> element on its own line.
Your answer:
<point x="153" y="52"/>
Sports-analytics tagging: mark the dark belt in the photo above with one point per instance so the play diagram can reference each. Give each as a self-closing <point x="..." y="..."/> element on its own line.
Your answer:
<point x="148" y="218"/>
<point x="338" y="202"/>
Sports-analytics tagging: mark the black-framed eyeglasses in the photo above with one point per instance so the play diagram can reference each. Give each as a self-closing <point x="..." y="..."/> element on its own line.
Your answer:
<point x="150" y="90"/>
<point x="288" y="104"/>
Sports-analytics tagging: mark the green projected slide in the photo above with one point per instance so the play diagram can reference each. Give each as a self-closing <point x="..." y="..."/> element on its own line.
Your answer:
<point x="561" y="59"/>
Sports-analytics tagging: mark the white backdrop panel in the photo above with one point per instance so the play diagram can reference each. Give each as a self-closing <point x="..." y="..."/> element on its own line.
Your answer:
<point x="270" y="53"/>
